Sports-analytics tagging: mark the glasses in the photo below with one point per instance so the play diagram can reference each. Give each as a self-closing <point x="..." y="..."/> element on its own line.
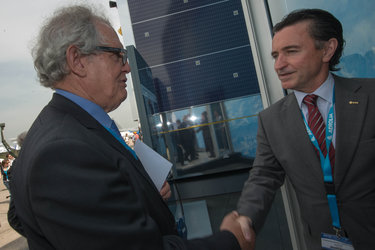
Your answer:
<point x="123" y="53"/>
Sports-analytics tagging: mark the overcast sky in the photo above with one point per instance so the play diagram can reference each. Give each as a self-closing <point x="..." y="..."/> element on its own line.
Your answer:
<point x="21" y="95"/>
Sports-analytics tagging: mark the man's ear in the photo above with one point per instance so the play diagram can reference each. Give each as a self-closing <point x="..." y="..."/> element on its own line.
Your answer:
<point x="329" y="49"/>
<point x="75" y="61"/>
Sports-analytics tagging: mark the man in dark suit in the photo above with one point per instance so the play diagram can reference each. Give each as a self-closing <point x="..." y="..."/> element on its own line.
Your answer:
<point x="340" y="168"/>
<point x="76" y="184"/>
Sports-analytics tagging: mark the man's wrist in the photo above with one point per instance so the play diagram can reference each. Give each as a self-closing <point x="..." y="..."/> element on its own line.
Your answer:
<point x="249" y="220"/>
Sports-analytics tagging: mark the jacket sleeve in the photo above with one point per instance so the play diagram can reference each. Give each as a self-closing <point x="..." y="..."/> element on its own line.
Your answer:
<point x="265" y="178"/>
<point x="13" y="220"/>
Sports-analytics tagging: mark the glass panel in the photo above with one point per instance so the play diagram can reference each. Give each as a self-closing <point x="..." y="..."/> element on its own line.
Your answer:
<point x="211" y="137"/>
<point x="196" y="75"/>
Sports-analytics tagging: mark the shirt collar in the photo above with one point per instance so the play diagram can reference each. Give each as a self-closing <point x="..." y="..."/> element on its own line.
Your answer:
<point x="324" y="91"/>
<point x="92" y="108"/>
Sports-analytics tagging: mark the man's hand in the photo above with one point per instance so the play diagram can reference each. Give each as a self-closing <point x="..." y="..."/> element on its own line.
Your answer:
<point x="165" y="191"/>
<point x="247" y="229"/>
<point x="232" y="224"/>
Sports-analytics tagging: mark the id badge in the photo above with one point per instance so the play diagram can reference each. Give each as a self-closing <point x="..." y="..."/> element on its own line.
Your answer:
<point x="333" y="242"/>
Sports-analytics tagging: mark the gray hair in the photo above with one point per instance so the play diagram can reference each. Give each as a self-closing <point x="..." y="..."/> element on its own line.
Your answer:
<point x="21" y="138"/>
<point x="74" y="25"/>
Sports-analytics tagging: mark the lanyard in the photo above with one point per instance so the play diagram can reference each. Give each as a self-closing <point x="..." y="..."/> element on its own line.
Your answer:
<point x="326" y="164"/>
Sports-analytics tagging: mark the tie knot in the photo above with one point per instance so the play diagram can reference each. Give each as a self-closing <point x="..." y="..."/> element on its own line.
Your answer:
<point x="310" y="100"/>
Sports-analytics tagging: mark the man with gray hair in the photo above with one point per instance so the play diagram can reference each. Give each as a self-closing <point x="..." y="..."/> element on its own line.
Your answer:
<point x="76" y="184"/>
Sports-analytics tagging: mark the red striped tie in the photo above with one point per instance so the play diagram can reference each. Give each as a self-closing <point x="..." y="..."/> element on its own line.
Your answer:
<point x="317" y="126"/>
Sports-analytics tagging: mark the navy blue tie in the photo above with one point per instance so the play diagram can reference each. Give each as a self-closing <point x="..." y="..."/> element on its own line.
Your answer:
<point x="115" y="130"/>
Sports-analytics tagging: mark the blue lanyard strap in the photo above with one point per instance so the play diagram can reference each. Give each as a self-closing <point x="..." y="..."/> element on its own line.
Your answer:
<point x="325" y="163"/>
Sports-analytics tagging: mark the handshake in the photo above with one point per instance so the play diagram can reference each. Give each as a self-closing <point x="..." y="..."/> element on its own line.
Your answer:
<point x="241" y="227"/>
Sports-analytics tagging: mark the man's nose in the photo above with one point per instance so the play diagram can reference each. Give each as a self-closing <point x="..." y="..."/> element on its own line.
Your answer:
<point x="126" y="67"/>
<point x="280" y="62"/>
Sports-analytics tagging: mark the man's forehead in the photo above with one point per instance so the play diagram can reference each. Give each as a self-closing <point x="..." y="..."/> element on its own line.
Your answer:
<point x="109" y="35"/>
<point x="291" y="34"/>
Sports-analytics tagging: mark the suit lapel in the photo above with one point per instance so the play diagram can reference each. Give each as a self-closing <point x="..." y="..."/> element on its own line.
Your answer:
<point x="299" y="141"/>
<point x="351" y="109"/>
<point x="114" y="143"/>
<point x="62" y="103"/>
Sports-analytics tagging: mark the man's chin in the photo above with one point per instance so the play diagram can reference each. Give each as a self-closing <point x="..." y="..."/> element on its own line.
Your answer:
<point x="289" y="83"/>
<point x="286" y="85"/>
<point x="124" y="95"/>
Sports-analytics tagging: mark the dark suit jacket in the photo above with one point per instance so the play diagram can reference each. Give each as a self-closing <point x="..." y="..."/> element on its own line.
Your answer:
<point x="76" y="187"/>
<point x="284" y="148"/>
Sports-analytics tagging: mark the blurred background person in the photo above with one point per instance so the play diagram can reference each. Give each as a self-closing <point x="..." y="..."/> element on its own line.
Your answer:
<point x="5" y="173"/>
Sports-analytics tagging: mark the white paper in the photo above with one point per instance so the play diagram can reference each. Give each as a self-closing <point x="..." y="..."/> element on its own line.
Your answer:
<point x="156" y="165"/>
